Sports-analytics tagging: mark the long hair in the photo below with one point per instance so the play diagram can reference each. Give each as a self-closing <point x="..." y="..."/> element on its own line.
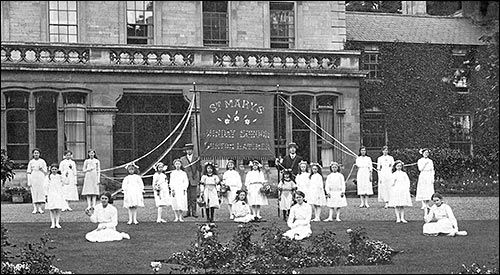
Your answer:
<point x="214" y="171"/>
<point x="237" y="198"/>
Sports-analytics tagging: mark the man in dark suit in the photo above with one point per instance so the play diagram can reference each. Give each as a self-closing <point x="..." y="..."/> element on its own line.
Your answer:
<point x="191" y="164"/>
<point x="290" y="161"/>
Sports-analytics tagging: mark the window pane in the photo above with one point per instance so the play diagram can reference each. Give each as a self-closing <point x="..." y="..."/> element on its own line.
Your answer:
<point x="46" y="140"/>
<point x="18" y="153"/>
<point x="72" y="18"/>
<point x="54" y="17"/>
<point x="63" y="17"/>
<point x="72" y="5"/>
<point x="63" y="29"/>
<point x="72" y="30"/>
<point x="63" y="38"/>
<point x="74" y="114"/>
<point x="17" y="116"/>
<point x="78" y="150"/>
<point x="74" y="132"/>
<point x="52" y="5"/>
<point x="17" y="132"/>
<point x="139" y="5"/>
<point x="46" y="111"/>
<point x="63" y="5"/>
<point x="54" y="38"/>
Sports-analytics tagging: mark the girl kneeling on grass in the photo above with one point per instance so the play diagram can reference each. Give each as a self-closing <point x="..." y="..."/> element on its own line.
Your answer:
<point x="241" y="209"/>
<point x="106" y="215"/>
<point x="440" y="219"/>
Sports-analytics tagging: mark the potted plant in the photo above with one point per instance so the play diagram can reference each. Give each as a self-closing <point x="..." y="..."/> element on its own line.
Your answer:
<point x="17" y="193"/>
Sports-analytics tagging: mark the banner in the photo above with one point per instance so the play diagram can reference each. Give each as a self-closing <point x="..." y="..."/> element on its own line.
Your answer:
<point x="236" y="125"/>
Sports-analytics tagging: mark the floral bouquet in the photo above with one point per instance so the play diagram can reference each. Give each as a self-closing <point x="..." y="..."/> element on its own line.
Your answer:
<point x="207" y="230"/>
<point x="266" y="188"/>
<point x="200" y="201"/>
<point x="157" y="188"/>
<point x="224" y="189"/>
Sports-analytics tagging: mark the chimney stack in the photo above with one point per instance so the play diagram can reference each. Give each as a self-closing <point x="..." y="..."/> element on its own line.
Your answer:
<point x="414" y="7"/>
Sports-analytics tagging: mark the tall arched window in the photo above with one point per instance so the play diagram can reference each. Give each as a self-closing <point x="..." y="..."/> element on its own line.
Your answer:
<point x="301" y="133"/>
<point x="46" y="125"/>
<point x="17" y="126"/>
<point x="75" y="113"/>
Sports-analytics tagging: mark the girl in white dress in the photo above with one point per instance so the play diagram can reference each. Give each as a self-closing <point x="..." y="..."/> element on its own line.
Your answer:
<point x="37" y="168"/>
<point x="399" y="194"/>
<point x="54" y="195"/>
<point x="241" y="209"/>
<point x="384" y="168"/>
<point x="425" y="183"/>
<point x="302" y="178"/>
<point x="106" y="215"/>
<point x="364" y="177"/>
<point x="299" y="220"/>
<point x="335" y="191"/>
<point x="286" y="189"/>
<point x="440" y="219"/>
<point x="232" y="179"/>
<point x="209" y="190"/>
<point x="316" y="192"/>
<point x="68" y="171"/>
<point x="92" y="169"/>
<point x="161" y="190"/>
<point x="179" y="183"/>
<point x="133" y="190"/>
<point x="254" y="182"/>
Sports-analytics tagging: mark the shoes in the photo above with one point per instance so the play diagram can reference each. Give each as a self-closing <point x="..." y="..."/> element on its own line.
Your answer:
<point x="181" y="220"/>
<point x="451" y="234"/>
<point x="126" y="236"/>
<point x="367" y="206"/>
<point x="404" y="221"/>
<point x="361" y="205"/>
<point x="129" y="222"/>
<point x="136" y="222"/>
<point x="461" y="233"/>
<point x="176" y="220"/>
<point x="52" y="226"/>
<point x="398" y="221"/>
<point x="161" y="221"/>
<point x="69" y="209"/>
<point x="339" y="220"/>
<point x="431" y="234"/>
<point x="316" y="220"/>
<point x="328" y="220"/>
<point x="40" y="211"/>
<point x="58" y="226"/>
<point x="34" y="212"/>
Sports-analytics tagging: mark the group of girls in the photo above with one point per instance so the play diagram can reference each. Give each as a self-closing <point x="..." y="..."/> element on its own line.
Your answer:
<point x="55" y="186"/>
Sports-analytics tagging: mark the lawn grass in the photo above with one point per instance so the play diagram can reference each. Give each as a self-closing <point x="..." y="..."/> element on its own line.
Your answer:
<point x="151" y="241"/>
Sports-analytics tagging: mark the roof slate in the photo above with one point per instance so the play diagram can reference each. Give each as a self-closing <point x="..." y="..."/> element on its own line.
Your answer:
<point x="388" y="27"/>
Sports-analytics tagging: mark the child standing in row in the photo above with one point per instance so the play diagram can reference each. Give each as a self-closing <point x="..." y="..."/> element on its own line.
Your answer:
<point x="254" y="181"/>
<point x="209" y="188"/>
<point x="316" y="191"/>
<point x="425" y="183"/>
<point x="54" y="183"/>
<point x="335" y="191"/>
<point x="364" y="177"/>
<point x="286" y="188"/>
<point x="133" y="189"/>
<point x="37" y="168"/>
<point x="302" y="179"/>
<point x="161" y="190"/>
<point x="232" y="179"/>
<point x="179" y="183"/>
<point x="399" y="194"/>
<point x="92" y="169"/>
<point x="68" y="171"/>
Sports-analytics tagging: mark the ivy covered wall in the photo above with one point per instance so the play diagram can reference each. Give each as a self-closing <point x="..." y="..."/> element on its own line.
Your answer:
<point x="416" y="94"/>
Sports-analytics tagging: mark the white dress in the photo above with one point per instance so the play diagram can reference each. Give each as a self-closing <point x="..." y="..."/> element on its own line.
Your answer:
<point x="384" y="168"/>
<point x="162" y="197"/>
<point x="92" y="169"/>
<point x="68" y="170"/>
<point x="179" y="183"/>
<point x="316" y="191"/>
<point x="363" y="182"/>
<point x="133" y="190"/>
<point x="209" y="185"/>
<point x="299" y="222"/>
<point x="286" y="196"/>
<point x="232" y="179"/>
<point x="241" y="212"/>
<point x="302" y="181"/>
<point x="54" y="191"/>
<point x="399" y="193"/>
<point x="253" y="182"/>
<point x="37" y="168"/>
<point x="106" y="230"/>
<point x="440" y="219"/>
<point x="335" y="187"/>
<point x="425" y="184"/>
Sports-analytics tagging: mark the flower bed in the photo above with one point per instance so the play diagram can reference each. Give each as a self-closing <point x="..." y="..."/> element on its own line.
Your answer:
<point x="274" y="254"/>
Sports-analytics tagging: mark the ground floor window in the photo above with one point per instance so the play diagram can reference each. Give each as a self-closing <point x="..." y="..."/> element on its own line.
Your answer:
<point x="460" y="133"/>
<point x="50" y="120"/>
<point x="142" y="122"/>
<point x="373" y="130"/>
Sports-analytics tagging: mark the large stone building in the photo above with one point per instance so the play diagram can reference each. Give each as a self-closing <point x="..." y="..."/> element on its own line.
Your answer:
<point x="117" y="76"/>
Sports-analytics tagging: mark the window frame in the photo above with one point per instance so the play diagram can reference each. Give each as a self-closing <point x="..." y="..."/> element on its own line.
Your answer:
<point x="149" y="27"/>
<point x="365" y="135"/>
<point x="59" y="26"/>
<point x="457" y="143"/>
<point x="373" y="68"/>
<point x="292" y="40"/>
<point x="462" y="86"/>
<point x="226" y="31"/>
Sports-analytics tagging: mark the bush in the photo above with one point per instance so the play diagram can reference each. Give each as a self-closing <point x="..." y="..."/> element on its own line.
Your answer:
<point x="475" y="268"/>
<point x="7" y="167"/>
<point x="33" y="258"/>
<point x="274" y="254"/>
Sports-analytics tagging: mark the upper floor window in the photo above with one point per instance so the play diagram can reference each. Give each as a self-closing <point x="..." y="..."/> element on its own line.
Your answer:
<point x="460" y="76"/>
<point x="460" y="133"/>
<point x="215" y="23"/>
<point x="282" y="25"/>
<point x="139" y="22"/>
<point x="371" y="62"/>
<point x="63" y="22"/>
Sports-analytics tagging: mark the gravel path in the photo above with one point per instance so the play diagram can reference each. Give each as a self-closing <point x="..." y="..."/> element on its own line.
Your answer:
<point x="464" y="208"/>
